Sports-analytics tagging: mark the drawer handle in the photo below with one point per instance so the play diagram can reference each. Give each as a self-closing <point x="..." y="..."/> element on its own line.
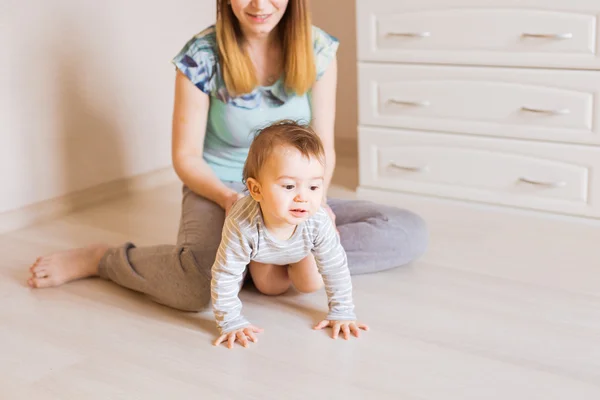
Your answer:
<point x="541" y="183"/>
<point x="407" y="168"/>
<point x="409" y="103"/>
<point x="409" y="34"/>
<point x="556" y="36"/>
<point x="563" y="111"/>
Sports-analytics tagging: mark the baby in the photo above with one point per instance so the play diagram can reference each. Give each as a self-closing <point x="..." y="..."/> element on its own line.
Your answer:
<point x="282" y="232"/>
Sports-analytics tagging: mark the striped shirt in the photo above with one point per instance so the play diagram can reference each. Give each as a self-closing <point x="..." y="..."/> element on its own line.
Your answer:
<point x="245" y="238"/>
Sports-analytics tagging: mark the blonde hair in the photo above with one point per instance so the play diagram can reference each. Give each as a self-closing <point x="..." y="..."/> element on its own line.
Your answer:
<point x="281" y="133"/>
<point x="295" y="31"/>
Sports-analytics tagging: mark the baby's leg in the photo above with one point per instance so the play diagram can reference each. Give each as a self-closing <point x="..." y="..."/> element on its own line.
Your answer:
<point x="305" y="276"/>
<point x="270" y="279"/>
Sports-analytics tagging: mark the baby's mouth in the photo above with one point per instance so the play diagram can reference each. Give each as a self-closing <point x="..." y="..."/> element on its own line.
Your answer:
<point x="298" y="211"/>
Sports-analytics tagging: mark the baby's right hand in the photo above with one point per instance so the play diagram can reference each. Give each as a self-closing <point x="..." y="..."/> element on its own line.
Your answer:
<point x="241" y="335"/>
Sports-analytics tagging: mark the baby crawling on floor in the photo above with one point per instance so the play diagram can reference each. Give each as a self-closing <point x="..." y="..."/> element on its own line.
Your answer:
<point x="283" y="233"/>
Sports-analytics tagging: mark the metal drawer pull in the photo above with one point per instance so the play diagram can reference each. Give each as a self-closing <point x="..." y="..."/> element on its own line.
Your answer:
<point x="409" y="103"/>
<point x="557" y="36"/>
<point x="406" y="168"/>
<point x="563" y="111"/>
<point x="547" y="184"/>
<point x="410" y="34"/>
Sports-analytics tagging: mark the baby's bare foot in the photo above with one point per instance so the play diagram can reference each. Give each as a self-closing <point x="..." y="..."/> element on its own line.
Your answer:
<point x="65" y="266"/>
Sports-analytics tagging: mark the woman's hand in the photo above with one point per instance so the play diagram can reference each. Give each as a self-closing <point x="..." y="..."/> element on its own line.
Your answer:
<point x="344" y="326"/>
<point x="329" y="211"/>
<point x="331" y="214"/>
<point x="240" y="335"/>
<point x="230" y="200"/>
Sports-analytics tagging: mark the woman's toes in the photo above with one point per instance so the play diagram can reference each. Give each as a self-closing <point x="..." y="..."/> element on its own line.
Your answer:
<point x="36" y="268"/>
<point x="32" y="282"/>
<point x="38" y="262"/>
<point x="40" y="282"/>
<point x="40" y="273"/>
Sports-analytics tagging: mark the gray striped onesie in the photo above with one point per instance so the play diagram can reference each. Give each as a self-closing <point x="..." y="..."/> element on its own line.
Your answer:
<point x="245" y="238"/>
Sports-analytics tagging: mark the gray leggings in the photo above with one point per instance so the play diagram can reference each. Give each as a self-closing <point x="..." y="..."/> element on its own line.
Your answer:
<point x="375" y="237"/>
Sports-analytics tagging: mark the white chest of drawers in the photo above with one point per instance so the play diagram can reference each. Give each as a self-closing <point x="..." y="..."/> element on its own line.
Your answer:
<point x="492" y="101"/>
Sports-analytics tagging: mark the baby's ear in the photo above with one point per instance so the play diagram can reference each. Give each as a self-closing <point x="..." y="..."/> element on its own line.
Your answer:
<point x="254" y="189"/>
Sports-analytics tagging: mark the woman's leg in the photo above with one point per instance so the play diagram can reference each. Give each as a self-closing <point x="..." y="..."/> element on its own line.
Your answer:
<point x="174" y="275"/>
<point x="378" y="237"/>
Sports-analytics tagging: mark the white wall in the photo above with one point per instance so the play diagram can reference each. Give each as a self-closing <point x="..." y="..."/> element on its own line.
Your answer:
<point x="87" y="88"/>
<point x="87" y="91"/>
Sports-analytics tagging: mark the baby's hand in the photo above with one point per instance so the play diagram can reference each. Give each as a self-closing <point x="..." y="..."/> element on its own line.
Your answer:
<point x="241" y="335"/>
<point x="345" y="326"/>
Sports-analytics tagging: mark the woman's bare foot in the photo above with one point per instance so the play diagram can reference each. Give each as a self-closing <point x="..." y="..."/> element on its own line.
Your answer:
<point x="65" y="266"/>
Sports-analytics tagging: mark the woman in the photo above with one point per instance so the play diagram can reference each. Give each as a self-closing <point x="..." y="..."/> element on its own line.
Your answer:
<point x="263" y="61"/>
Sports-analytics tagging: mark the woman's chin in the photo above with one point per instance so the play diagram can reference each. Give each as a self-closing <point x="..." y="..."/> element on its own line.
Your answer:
<point x="260" y="30"/>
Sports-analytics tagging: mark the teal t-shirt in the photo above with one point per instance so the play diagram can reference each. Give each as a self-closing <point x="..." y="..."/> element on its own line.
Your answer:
<point x="233" y="121"/>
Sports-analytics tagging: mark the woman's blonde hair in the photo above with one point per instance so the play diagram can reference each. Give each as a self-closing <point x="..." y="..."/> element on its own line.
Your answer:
<point x="295" y="31"/>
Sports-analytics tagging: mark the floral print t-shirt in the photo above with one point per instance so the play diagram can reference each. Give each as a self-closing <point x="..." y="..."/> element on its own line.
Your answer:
<point x="233" y="121"/>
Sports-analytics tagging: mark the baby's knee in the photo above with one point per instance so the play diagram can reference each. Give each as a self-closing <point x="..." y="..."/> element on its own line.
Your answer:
<point x="273" y="288"/>
<point x="270" y="280"/>
<point x="309" y="286"/>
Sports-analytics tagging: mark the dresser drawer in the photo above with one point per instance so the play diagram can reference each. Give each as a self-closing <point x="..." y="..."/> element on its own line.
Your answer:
<point x="542" y="176"/>
<point x="483" y="32"/>
<point x="548" y="105"/>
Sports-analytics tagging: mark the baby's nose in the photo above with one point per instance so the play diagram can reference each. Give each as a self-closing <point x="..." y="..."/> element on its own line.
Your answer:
<point x="300" y="198"/>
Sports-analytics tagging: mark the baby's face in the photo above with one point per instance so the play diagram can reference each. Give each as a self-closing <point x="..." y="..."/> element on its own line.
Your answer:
<point x="291" y="186"/>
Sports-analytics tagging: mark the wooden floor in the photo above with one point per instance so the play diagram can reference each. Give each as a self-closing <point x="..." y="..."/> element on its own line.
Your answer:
<point x="503" y="306"/>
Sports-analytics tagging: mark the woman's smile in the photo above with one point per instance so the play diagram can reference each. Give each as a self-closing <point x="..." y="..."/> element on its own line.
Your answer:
<point x="259" y="18"/>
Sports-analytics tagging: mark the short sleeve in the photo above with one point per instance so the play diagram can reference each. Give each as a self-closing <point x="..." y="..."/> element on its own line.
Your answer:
<point x="325" y="47"/>
<point x="198" y="61"/>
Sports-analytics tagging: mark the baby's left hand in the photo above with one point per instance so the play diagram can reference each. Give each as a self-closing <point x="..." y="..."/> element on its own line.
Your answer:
<point x="344" y="326"/>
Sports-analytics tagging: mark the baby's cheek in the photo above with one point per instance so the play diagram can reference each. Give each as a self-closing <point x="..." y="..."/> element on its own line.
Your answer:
<point x="282" y="203"/>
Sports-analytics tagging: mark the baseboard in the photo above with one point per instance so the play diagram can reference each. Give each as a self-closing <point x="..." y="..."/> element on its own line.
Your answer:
<point x="57" y="207"/>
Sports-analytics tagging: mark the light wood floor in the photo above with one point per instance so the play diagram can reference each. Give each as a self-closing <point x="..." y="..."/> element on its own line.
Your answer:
<point x="503" y="306"/>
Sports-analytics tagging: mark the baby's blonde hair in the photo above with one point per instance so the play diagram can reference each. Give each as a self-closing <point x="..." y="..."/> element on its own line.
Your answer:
<point x="282" y="133"/>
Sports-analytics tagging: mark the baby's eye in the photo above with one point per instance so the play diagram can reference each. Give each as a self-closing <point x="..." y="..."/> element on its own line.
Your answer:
<point x="314" y="187"/>
<point x="288" y="187"/>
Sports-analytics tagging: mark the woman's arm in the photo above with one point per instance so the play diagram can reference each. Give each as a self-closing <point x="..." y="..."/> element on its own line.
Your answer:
<point x="323" y="117"/>
<point x="190" y="114"/>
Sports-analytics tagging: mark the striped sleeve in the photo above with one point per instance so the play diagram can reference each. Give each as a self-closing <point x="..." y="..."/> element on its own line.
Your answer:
<point x="228" y="273"/>
<point x="332" y="263"/>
